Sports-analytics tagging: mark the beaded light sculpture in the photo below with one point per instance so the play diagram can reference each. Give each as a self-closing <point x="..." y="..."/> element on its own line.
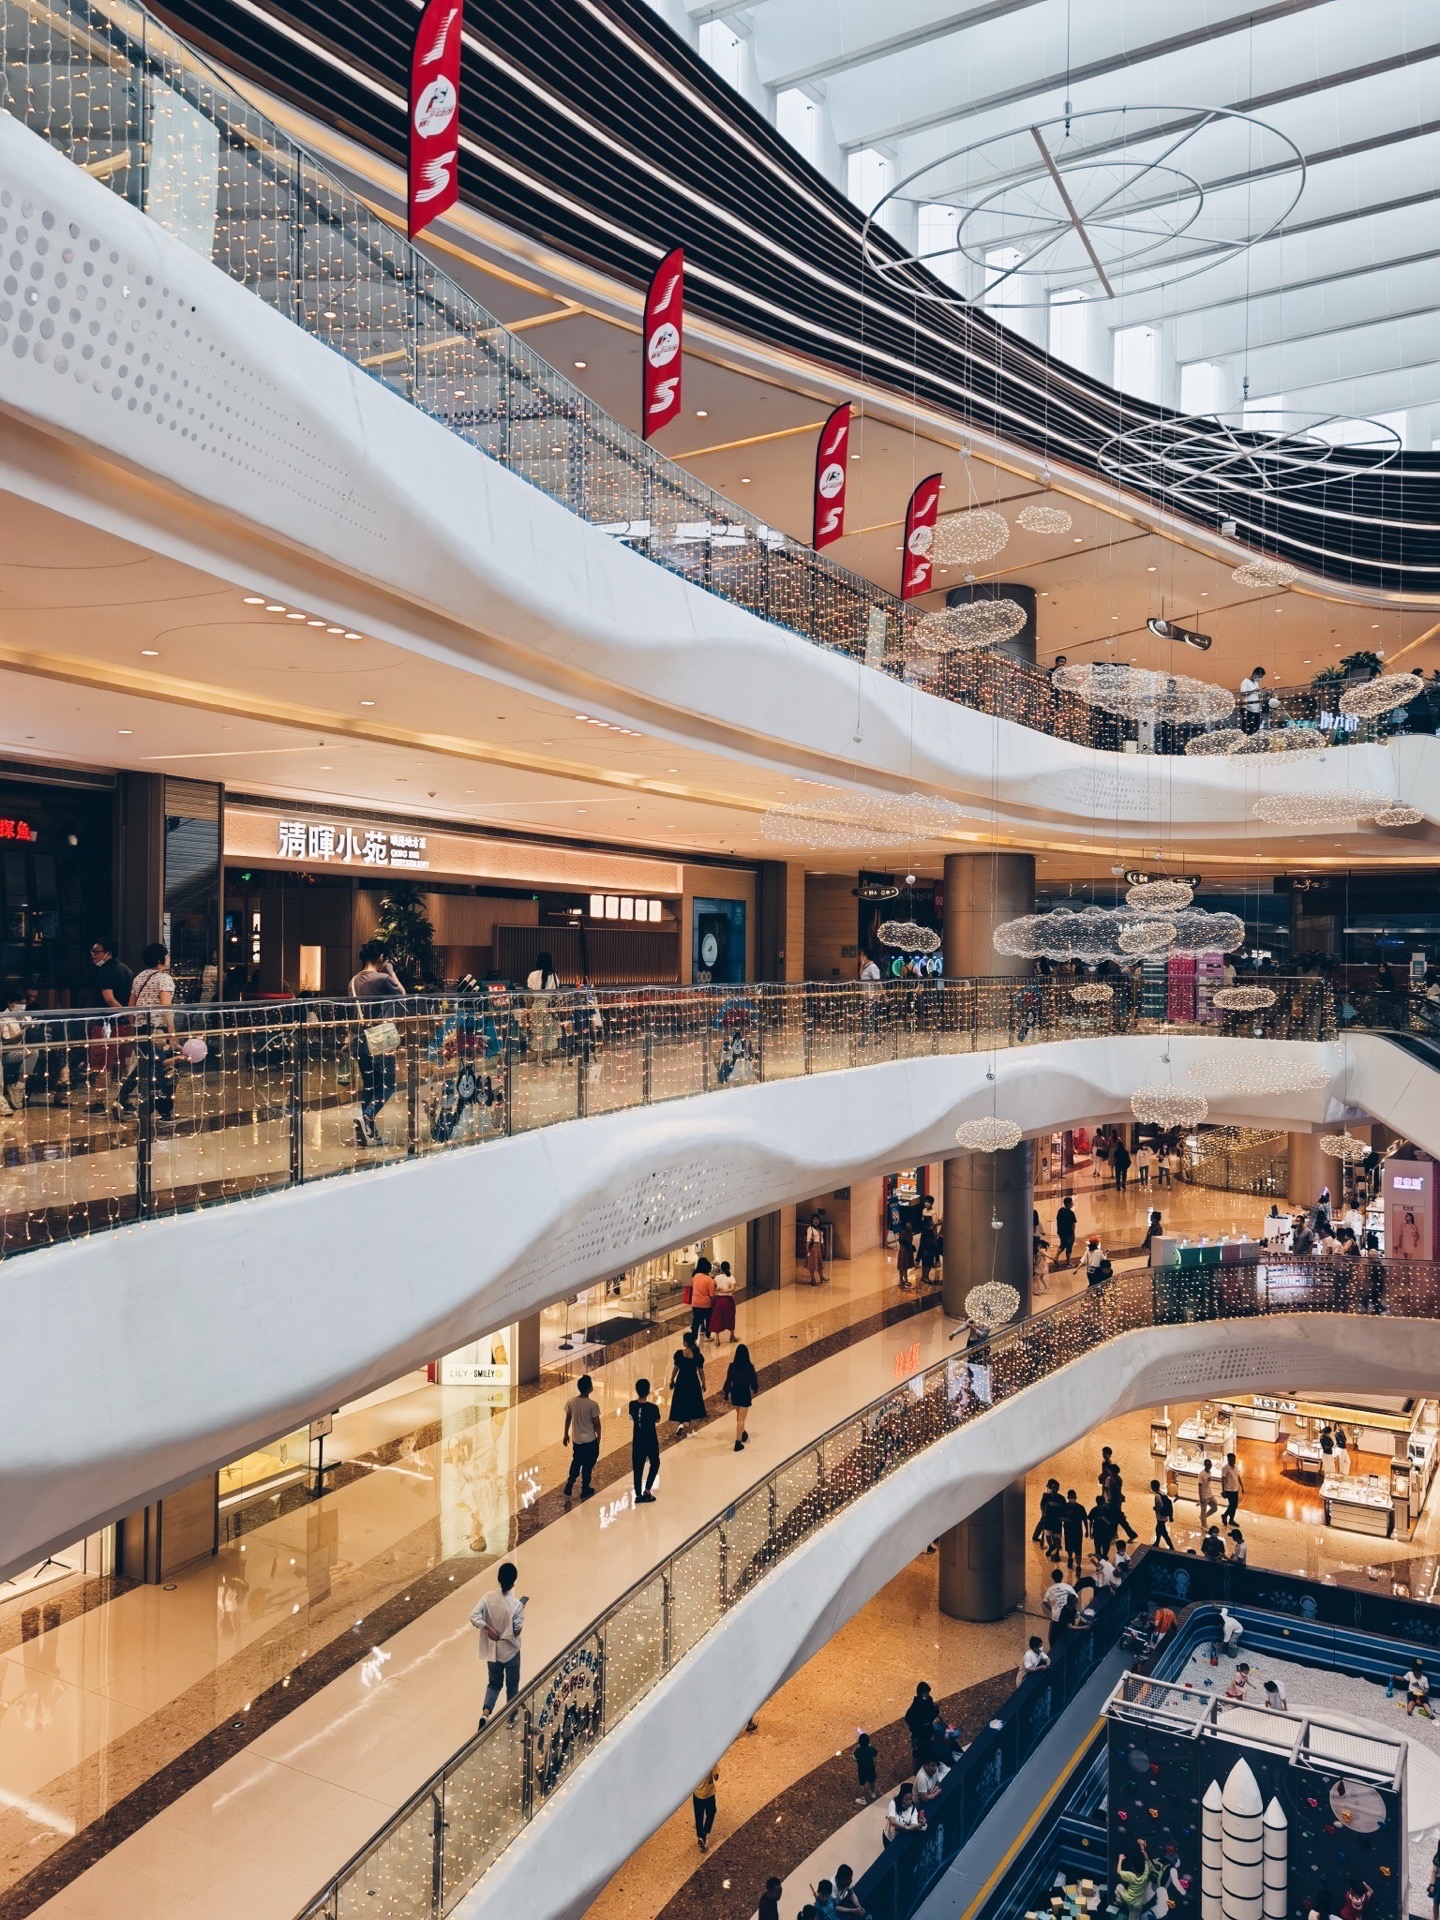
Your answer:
<point x="1320" y="807"/>
<point x="1258" y="1071"/>
<point x="968" y="628"/>
<point x="1040" y="519"/>
<point x="1094" y="993"/>
<point x="1399" y="816"/>
<point x="1242" y="999"/>
<point x="1139" y="694"/>
<point x="1169" y="1106"/>
<point x="989" y="1134"/>
<point x="1383" y="695"/>
<point x="907" y="936"/>
<point x="859" y="820"/>
<point x="1146" y="936"/>
<point x="1286" y="740"/>
<point x="1223" y="740"/>
<point x="992" y="1305"/>
<point x="1157" y="896"/>
<point x="1262" y="571"/>
<point x="963" y="537"/>
<point x="1343" y="1146"/>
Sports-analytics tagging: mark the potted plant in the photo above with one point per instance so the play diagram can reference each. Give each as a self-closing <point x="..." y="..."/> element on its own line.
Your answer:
<point x="1358" y="667"/>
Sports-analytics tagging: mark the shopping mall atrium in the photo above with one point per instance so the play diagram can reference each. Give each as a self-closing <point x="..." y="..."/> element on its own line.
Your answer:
<point x="805" y="1282"/>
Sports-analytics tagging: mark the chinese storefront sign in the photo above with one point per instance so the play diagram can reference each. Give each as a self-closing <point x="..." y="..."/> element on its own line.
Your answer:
<point x="350" y="846"/>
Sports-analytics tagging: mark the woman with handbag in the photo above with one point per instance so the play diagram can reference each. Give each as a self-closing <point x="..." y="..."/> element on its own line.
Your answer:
<point x="378" y="1040"/>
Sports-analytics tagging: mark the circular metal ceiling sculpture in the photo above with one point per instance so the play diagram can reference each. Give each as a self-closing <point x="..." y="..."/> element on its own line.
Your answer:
<point x="1040" y="519"/>
<point x="1229" y="461"/>
<point x="1381" y="695"/>
<point x="1140" y="694"/>
<point x="1094" y="934"/>
<point x="855" y="821"/>
<point x="1095" y="206"/>
<point x="961" y="538"/>
<point x="988" y="1135"/>
<point x="968" y="628"/>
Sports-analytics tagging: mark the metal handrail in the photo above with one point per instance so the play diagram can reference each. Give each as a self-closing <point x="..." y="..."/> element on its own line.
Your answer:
<point x="286" y="227"/>
<point x="472" y="1069"/>
<point x="892" y="1429"/>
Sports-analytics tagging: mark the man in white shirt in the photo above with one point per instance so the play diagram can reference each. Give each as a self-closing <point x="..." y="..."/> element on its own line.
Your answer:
<point x="869" y="968"/>
<point x="1252" y="700"/>
<point x="1104" y="1572"/>
<point x="1036" y="1659"/>
<point x="501" y="1620"/>
<point x="927" y="1780"/>
<point x="1230" y="1630"/>
<point x="1275" y="1697"/>
<point x="1056" y="1597"/>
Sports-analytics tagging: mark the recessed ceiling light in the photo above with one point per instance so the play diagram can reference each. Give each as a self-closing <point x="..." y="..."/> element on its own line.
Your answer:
<point x="314" y="623"/>
<point x="334" y="630"/>
<point x="702" y="413"/>
<point x="367" y="703"/>
<point x="127" y="730"/>
<point x="582" y="364"/>
<point x="350" y="635"/>
<point x="1150" y="569"/>
<point x="150" y="653"/>
<point x="1079" y="540"/>
<point x="294" y="616"/>
<point x="1204" y="596"/>
<point x="326" y="769"/>
<point x="672" y="769"/>
<point x="254" y="599"/>
<point x="744" y="479"/>
<point x="1374" y="626"/>
<point x="327" y="315"/>
<point x="579" y="809"/>
<point x="273" y="606"/>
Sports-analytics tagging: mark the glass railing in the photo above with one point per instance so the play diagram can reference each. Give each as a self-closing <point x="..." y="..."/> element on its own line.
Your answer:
<point x="436" y="1848"/>
<point x="121" y="96"/>
<point x="108" y="1119"/>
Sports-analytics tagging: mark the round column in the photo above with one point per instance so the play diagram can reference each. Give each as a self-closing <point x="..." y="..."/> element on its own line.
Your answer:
<point x="981" y="891"/>
<point x="979" y="1189"/>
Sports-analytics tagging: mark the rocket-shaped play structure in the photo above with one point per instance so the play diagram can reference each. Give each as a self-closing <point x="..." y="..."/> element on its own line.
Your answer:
<point x="1244" y="1851"/>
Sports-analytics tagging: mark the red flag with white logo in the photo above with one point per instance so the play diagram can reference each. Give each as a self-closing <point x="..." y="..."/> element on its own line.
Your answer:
<point x="831" y="453"/>
<point x="662" y="339"/>
<point x="917" y="568"/>
<point x="435" y="113"/>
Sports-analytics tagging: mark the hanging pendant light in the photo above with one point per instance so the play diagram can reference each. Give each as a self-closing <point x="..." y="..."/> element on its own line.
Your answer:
<point x="1169" y="1106"/>
<point x="1344" y="1147"/>
<point x="1156" y="896"/>
<point x="855" y="821"/>
<point x="1258" y="1070"/>
<point x="962" y="538"/>
<point x="907" y="936"/>
<point x="988" y="1134"/>
<point x="1242" y="999"/>
<point x="1262" y="571"/>
<point x="1041" y="519"/>
<point x="1381" y="695"/>
<point x="968" y="628"/>
<point x="992" y="1305"/>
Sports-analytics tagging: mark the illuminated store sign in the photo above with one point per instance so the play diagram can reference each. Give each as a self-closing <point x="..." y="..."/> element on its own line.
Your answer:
<point x="350" y="846"/>
<point x="17" y="830"/>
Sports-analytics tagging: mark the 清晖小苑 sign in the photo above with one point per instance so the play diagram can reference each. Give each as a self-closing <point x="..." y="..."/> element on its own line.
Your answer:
<point x="350" y="846"/>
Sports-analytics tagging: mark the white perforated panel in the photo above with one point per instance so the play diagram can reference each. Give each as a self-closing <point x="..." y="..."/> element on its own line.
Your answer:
<point x="77" y="306"/>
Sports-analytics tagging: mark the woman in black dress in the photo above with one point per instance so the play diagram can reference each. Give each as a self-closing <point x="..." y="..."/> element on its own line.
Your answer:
<point x="687" y="1384"/>
<point x="742" y="1383"/>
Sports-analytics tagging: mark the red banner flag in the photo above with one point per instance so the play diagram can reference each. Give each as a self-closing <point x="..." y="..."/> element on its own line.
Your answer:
<point x="435" y="113"/>
<point x="662" y="334"/>
<point x="831" y="453"/>
<point x="918" y="565"/>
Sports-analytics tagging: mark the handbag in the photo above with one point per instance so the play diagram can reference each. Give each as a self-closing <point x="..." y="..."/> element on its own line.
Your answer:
<point x="383" y="1037"/>
<point x="685" y="1295"/>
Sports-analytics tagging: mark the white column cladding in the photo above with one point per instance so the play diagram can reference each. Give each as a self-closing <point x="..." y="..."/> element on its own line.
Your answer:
<point x="1212" y="1853"/>
<point x="1243" y="1869"/>
<point x="1277" y="1862"/>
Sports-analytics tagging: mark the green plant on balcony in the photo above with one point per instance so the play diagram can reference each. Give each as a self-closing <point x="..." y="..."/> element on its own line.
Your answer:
<point x="409" y="935"/>
<point x="1364" y="665"/>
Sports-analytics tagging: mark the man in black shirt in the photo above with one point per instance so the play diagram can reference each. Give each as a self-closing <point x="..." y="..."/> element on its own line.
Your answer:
<point x="110" y="981"/>
<point x="1065" y="1224"/>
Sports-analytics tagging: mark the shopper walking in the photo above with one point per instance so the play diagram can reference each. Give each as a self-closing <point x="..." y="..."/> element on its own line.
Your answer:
<point x="1165" y="1165"/>
<point x="815" y="1251"/>
<point x="742" y="1383"/>
<point x="112" y="981"/>
<point x="1205" y="1491"/>
<point x="866" y="1756"/>
<point x="1039" y="1264"/>
<point x="702" y="1297"/>
<point x="702" y="1805"/>
<point x="1065" y="1225"/>
<point x="644" y="1443"/>
<point x="687" y="1384"/>
<point x="378" y="1040"/>
<point x="769" y="1907"/>
<point x="1164" y="1513"/>
<point x="1074" y="1525"/>
<point x="582" y="1436"/>
<point x="1232" y="1486"/>
<point x="1144" y="1161"/>
<point x="722" y="1310"/>
<point x="501" y="1620"/>
<point x="153" y="992"/>
<point x="1102" y="1527"/>
<point x="1120" y="1163"/>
